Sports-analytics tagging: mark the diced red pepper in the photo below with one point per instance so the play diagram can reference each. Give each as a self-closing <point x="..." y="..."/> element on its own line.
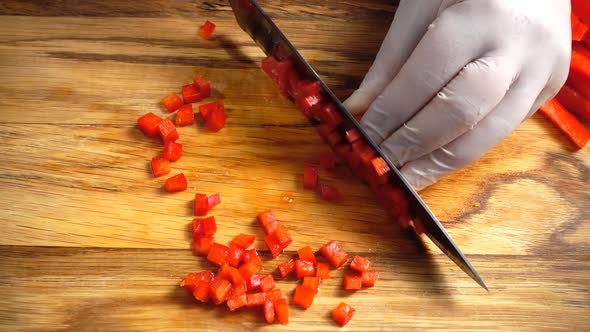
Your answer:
<point x="171" y="102"/>
<point x="282" y="312"/>
<point x="236" y="302"/>
<point x="213" y="200"/>
<point x="342" y="314"/>
<point x="251" y="256"/>
<point x="253" y="282"/>
<point x="286" y="267"/>
<point x="204" y="86"/>
<point x="306" y="254"/>
<point x="369" y="278"/>
<point x="282" y="234"/>
<point x="201" y="245"/>
<point x="341" y="150"/>
<point x="235" y="255"/>
<point x="268" y="221"/>
<point x="580" y="62"/>
<point x="267" y="283"/>
<point x="239" y="289"/>
<point x="191" y="94"/>
<point x="333" y="138"/>
<point x="304" y="269"/>
<point x="206" y="30"/>
<point x="202" y="291"/>
<point x="172" y="151"/>
<point x="148" y="124"/>
<point x="268" y="65"/>
<point x="360" y="264"/>
<point x="327" y="160"/>
<point x="353" y="282"/>
<point x="274" y="295"/>
<point x="353" y="159"/>
<point x="201" y="204"/>
<point x="307" y="88"/>
<point x="220" y="289"/>
<point x="215" y="120"/>
<point x="204" y="227"/>
<point x="575" y="102"/>
<point x="256" y="299"/>
<point x="273" y="244"/>
<point x="308" y="105"/>
<point x="566" y="122"/>
<point x="247" y="270"/>
<point x="218" y="254"/>
<point x="328" y="192"/>
<point x="380" y="166"/>
<point x="303" y="296"/>
<point x="330" y="115"/>
<point x="352" y="135"/>
<point x="243" y="240"/>
<point x="325" y="129"/>
<point x="168" y="131"/>
<point x="175" y="183"/>
<point x="292" y="84"/>
<point x="282" y="71"/>
<point x="230" y="273"/>
<point x="192" y="279"/>
<point x="322" y="270"/>
<point x="310" y="177"/>
<point x="185" y="116"/>
<point x="206" y="109"/>
<point x="312" y="283"/>
<point x="269" y="312"/>
<point x="334" y="254"/>
<point x="160" y="166"/>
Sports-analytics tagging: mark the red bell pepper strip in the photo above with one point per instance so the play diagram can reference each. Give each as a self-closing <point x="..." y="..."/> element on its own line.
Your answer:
<point x="148" y="124"/>
<point x="218" y="254"/>
<point x="575" y="102"/>
<point x="175" y="183"/>
<point x="160" y="166"/>
<point x="204" y="86"/>
<point x="256" y="299"/>
<point x="286" y="267"/>
<point x="213" y="200"/>
<point x="220" y="289"/>
<point x="580" y="62"/>
<point x="303" y="296"/>
<point x="185" y="116"/>
<point x="204" y="227"/>
<point x="167" y="130"/>
<point x="328" y="159"/>
<point x="334" y="254"/>
<point x="360" y="264"/>
<point x="322" y="270"/>
<point x="582" y="9"/>
<point x="579" y="29"/>
<point x="282" y="311"/>
<point x="234" y="256"/>
<point x="191" y="94"/>
<point x="206" y="30"/>
<point x="312" y="283"/>
<point x="566" y="122"/>
<point x="269" y="312"/>
<point x="304" y="269"/>
<point x="369" y="278"/>
<point x="172" y="151"/>
<point x="237" y="301"/>
<point x="267" y="283"/>
<point x="310" y="177"/>
<point x="201" y="245"/>
<point x="353" y="282"/>
<point x="306" y="254"/>
<point x="243" y="240"/>
<point x="328" y="192"/>
<point x="578" y="82"/>
<point x="171" y="102"/>
<point x="342" y="314"/>
<point x="268" y="221"/>
<point x="207" y="108"/>
<point x="216" y="120"/>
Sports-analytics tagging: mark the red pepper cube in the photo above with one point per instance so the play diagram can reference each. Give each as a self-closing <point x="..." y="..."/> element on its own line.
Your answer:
<point x="269" y="312"/>
<point x="256" y="299"/>
<point x="328" y="159"/>
<point x="292" y="84"/>
<point x="334" y="254"/>
<point x="333" y="138"/>
<point x="274" y="295"/>
<point x="171" y="102"/>
<point x="168" y="131"/>
<point x="253" y="282"/>
<point x="204" y="86"/>
<point x="192" y="279"/>
<point x="342" y="314"/>
<point x="282" y="234"/>
<point x="172" y="151"/>
<point x="282" y="312"/>
<point x="268" y="66"/>
<point x="251" y="256"/>
<point x="353" y="282"/>
<point x="185" y="116"/>
<point x="201" y="204"/>
<point x="237" y="301"/>
<point x="215" y="120"/>
<point x="353" y="160"/>
<point x="220" y="289"/>
<point x="341" y="150"/>
<point x="148" y="124"/>
<point x="206" y="30"/>
<point x="230" y="273"/>
<point x="325" y="129"/>
<point x="160" y="166"/>
<point x="353" y="135"/>
<point x="322" y="270"/>
<point x="282" y="70"/>
<point x="213" y="200"/>
<point x="304" y="269"/>
<point x="329" y="193"/>
<point x="312" y="283"/>
<point x="303" y="296"/>
<point x="201" y="245"/>
<point x="191" y="94"/>
<point x="243" y="240"/>
<point x="206" y="109"/>
<point x="239" y="289"/>
<point x="380" y="166"/>
<point x="307" y="254"/>
<point x="286" y="268"/>
<point x="202" y="292"/>
<point x="218" y="254"/>
<point x="360" y="264"/>
<point x="310" y="177"/>
<point x="204" y="227"/>
<point x="330" y="115"/>
<point x="267" y="283"/>
<point x="268" y="221"/>
<point x="247" y="270"/>
<point x="235" y="255"/>
<point x="307" y="88"/>
<point x="273" y="244"/>
<point x="369" y="278"/>
<point x="175" y="183"/>
<point x="308" y="105"/>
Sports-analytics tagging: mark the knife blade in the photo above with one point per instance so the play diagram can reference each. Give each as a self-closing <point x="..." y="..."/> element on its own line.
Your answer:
<point x="254" y="21"/>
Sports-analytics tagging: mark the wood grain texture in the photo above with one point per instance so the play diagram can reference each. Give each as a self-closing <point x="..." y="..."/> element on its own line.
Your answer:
<point x="88" y="241"/>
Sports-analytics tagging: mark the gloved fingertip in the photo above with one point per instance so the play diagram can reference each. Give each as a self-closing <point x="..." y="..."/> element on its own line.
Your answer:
<point x="358" y="102"/>
<point x="419" y="180"/>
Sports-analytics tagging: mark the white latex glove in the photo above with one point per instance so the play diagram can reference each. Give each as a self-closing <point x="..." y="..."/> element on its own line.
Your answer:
<point x="453" y="78"/>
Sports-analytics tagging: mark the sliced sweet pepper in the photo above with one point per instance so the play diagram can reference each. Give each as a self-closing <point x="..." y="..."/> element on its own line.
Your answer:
<point x="269" y="312"/>
<point x="218" y="254"/>
<point x="286" y="267"/>
<point x="204" y="86"/>
<point x="360" y="264"/>
<point x="172" y="151"/>
<point x="235" y="255"/>
<point x="167" y="130"/>
<point x="216" y="120"/>
<point x="207" y="108"/>
<point x="353" y="282"/>
<point x="243" y="240"/>
<point x="310" y="177"/>
<point x="334" y="254"/>
<point x="304" y="269"/>
<point x="202" y="291"/>
<point x="191" y="94"/>
<point x="171" y="102"/>
<point x="306" y="254"/>
<point x="342" y="314"/>
<point x="267" y="283"/>
<point x="256" y="299"/>
<point x="282" y="311"/>
<point x="185" y="116"/>
<point x="213" y="200"/>
<point x="566" y="122"/>
<point x="201" y="245"/>
<point x="312" y="283"/>
<point x="175" y="183"/>
<point x="200" y="204"/>
<point x="369" y="278"/>
<point x="268" y="221"/>
<point x="328" y="192"/>
<point x="204" y="227"/>
<point x="579" y="29"/>
<point x="206" y="30"/>
<point x="575" y="102"/>
<point x="322" y="270"/>
<point x="160" y="166"/>
<point x="220" y="289"/>
<point x="303" y="296"/>
<point x="237" y="301"/>
<point x="148" y="124"/>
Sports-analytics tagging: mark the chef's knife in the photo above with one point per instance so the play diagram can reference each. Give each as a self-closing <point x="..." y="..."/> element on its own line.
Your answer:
<point x="267" y="35"/>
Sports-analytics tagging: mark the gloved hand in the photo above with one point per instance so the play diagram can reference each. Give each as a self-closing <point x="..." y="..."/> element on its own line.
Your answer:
<point x="453" y="78"/>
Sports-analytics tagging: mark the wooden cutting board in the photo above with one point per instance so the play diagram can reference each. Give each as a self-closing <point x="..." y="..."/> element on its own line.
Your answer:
<point x="88" y="241"/>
